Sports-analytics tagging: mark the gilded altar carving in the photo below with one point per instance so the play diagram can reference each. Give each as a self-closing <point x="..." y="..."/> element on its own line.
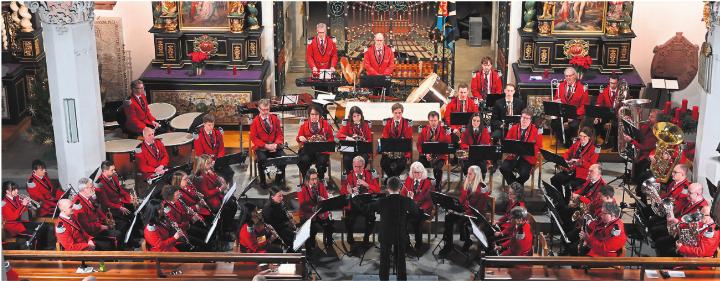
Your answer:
<point x="252" y="48"/>
<point x="545" y="56"/>
<point x="37" y="46"/>
<point x="27" y="48"/>
<point x="206" y="44"/>
<point x="237" y="51"/>
<point x="528" y="51"/>
<point x="678" y="57"/>
<point x="159" y="48"/>
<point x="612" y="56"/>
<point x="170" y="51"/>
<point x="576" y="47"/>
<point x="624" y="51"/>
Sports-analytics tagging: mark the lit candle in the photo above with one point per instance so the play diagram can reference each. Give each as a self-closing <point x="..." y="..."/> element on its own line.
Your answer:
<point x="668" y="106"/>
<point x="695" y="113"/>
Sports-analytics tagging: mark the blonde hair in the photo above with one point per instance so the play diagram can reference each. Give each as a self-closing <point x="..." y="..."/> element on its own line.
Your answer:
<point x="476" y="181"/>
<point x="418" y="167"/>
<point x="177" y="178"/>
<point x="200" y="164"/>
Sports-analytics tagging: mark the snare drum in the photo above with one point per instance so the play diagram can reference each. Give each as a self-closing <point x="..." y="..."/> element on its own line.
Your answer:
<point x="162" y="111"/>
<point x="179" y="146"/>
<point x="182" y="122"/>
<point x="122" y="152"/>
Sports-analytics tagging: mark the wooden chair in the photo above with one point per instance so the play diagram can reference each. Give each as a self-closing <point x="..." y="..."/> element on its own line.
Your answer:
<point x="143" y="245"/>
<point x="536" y="167"/>
<point x="58" y="247"/>
<point x="542" y="247"/>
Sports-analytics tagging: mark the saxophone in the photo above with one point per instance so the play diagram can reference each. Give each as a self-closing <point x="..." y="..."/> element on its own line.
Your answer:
<point x="581" y="212"/>
<point x="358" y="133"/>
<point x="669" y="137"/>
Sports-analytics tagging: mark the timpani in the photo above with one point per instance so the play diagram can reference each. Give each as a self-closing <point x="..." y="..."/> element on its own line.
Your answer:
<point x="179" y="147"/>
<point x="122" y="152"/>
<point x="162" y="111"/>
<point x="182" y="122"/>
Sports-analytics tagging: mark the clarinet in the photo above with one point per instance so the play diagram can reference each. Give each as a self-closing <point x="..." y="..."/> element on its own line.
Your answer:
<point x="289" y="216"/>
<point x="182" y="234"/>
<point x="191" y="211"/>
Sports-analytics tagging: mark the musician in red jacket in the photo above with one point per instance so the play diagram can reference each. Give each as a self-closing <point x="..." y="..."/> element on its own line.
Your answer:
<point x="607" y="98"/>
<point x="13" y="208"/>
<point x="92" y="217"/>
<point x="397" y="127"/>
<point x="114" y="197"/>
<point x="190" y="195"/>
<point x="519" y="234"/>
<point x="267" y="139"/>
<point x="208" y="182"/>
<point x="462" y="103"/>
<point x="526" y="132"/>
<point x="137" y="112"/>
<point x="208" y="139"/>
<point x="572" y="92"/>
<point x="70" y="235"/>
<point x="474" y="194"/>
<point x="255" y="236"/>
<point x="355" y="129"/>
<point x="581" y="155"/>
<point x="606" y="235"/>
<point x="41" y="189"/>
<point x="693" y="203"/>
<point x="588" y="191"/>
<point x="359" y="181"/>
<point x="516" y="198"/>
<point x="475" y="133"/>
<point x="643" y="145"/>
<point x="707" y="238"/>
<point x="311" y="193"/>
<point x="379" y="58"/>
<point x="418" y="187"/>
<point x="486" y="81"/>
<point x="151" y="157"/>
<point x="174" y="210"/>
<point x="321" y="51"/>
<point x="433" y="132"/>
<point x="314" y="129"/>
<point x="160" y="236"/>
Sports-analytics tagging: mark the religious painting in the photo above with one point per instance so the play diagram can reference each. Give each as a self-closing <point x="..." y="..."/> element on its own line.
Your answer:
<point x="204" y="15"/>
<point x="222" y="104"/>
<point x="579" y="17"/>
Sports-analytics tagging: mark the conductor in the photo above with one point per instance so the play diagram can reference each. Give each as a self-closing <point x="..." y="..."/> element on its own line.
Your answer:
<point x="394" y="212"/>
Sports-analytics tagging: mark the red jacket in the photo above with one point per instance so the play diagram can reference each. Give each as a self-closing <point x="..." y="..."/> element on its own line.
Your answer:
<point x="708" y="240"/>
<point x="578" y="99"/>
<point x="520" y="242"/>
<point x="588" y="191"/>
<point x="148" y="159"/>
<point x="504" y="222"/>
<point x="12" y="210"/>
<point x="675" y="189"/>
<point x="685" y="207"/>
<point x="137" y="114"/>
<point x="208" y="184"/>
<point x="251" y="241"/>
<point x="110" y="193"/>
<point x="351" y="180"/>
<point x="261" y="135"/>
<point x="478" y="200"/>
<point x="159" y="238"/>
<point x="45" y="192"/>
<point x="349" y="129"/>
<point x="440" y="135"/>
<point x="468" y="138"/>
<point x="455" y="106"/>
<point x="189" y="196"/>
<point x="595" y="207"/>
<point x="588" y="156"/>
<point x="404" y="131"/>
<point x="177" y="214"/>
<point x="606" y="240"/>
<point x="71" y="236"/>
<point x="308" y="201"/>
<point x="203" y="145"/>
<point x="321" y="58"/>
<point x="606" y="98"/>
<point x="374" y="65"/>
<point x="531" y="135"/>
<point x="323" y="129"/>
<point x="646" y="144"/>
<point x="421" y="194"/>
<point x="89" y="214"/>
<point x="477" y="82"/>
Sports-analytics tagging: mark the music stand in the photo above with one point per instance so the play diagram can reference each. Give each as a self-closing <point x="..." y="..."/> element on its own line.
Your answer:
<point x="320" y="146"/>
<point x="433" y="147"/>
<point x="562" y="111"/>
<point x="460" y="118"/>
<point x="490" y="100"/>
<point x="216" y="218"/>
<point x="712" y="188"/>
<point x="447" y="202"/>
<point x="511" y="119"/>
<point x="520" y="148"/>
<point x="229" y="159"/>
<point x="484" y="152"/>
<point x="302" y="235"/>
<point x="552" y="193"/>
<point x="355" y="147"/>
<point x="552" y="212"/>
<point x="604" y="113"/>
<point x="137" y="212"/>
<point x="395" y="145"/>
<point x="375" y="81"/>
<point x="630" y="130"/>
<point x="554" y="158"/>
<point x="334" y="203"/>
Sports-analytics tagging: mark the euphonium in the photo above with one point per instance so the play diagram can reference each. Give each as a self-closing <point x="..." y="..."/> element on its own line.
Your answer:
<point x="669" y="136"/>
<point x="687" y="229"/>
<point x="652" y="190"/>
<point x="317" y="138"/>
<point x="581" y="212"/>
<point x="462" y="154"/>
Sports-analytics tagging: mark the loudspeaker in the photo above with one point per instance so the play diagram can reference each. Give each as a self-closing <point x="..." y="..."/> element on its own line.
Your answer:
<point x="475" y="34"/>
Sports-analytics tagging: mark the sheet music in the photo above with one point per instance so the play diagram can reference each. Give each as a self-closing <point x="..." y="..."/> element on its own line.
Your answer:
<point x="346" y="148"/>
<point x="289" y="99"/>
<point x="322" y="102"/>
<point x="478" y="233"/>
<point x="671" y="85"/>
<point x="326" y="74"/>
<point x="326" y="97"/>
<point x="230" y="193"/>
<point x="303" y="233"/>
<point x="658" y="83"/>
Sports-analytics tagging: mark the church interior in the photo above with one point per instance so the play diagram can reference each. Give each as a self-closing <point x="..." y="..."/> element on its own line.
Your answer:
<point x="243" y="140"/>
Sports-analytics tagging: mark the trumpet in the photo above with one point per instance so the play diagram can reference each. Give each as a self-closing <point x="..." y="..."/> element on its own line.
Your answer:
<point x="33" y="205"/>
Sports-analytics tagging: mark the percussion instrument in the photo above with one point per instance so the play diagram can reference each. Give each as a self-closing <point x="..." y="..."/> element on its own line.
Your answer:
<point x="179" y="146"/>
<point x="162" y="111"/>
<point x="182" y="122"/>
<point x="636" y="102"/>
<point x="122" y="152"/>
<point x="431" y="89"/>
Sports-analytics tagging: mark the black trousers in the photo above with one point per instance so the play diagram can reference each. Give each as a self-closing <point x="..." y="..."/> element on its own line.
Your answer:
<point x="317" y="224"/>
<point x="398" y="247"/>
<point x="262" y="156"/>
<point x="393" y="167"/>
<point x="437" y="166"/>
<point x="566" y="182"/>
<point x="320" y="160"/>
<point x="600" y="130"/>
<point x="641" y="172"/>
<point x="416" y="223"/>
<point x="509" y="167"/>
<point x="570" y="132"/>
<point x="352" y="215"/>
<point x="108" y="240"/>
<point x="286" y="233"/>
<point x="347" y="159"/>
<point x="450" y="221"/>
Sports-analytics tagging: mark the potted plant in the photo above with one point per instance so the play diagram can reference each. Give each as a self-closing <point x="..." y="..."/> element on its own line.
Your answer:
<point x="198" y="61"/>
<point x="581" y="64"/>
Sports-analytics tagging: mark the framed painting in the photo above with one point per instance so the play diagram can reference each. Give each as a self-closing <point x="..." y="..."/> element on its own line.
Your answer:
<point x="579" y="17"/>
<point x="204" y="15"/>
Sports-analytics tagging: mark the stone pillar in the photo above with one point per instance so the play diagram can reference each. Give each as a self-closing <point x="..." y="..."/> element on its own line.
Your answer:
<point x="268" y="46"/>
<point x="73" y="79"/>
<point x="514" y="39"/>
<point x="707" y="162"/>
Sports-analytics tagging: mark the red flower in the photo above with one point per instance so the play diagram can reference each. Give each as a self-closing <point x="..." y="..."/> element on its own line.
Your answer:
<point x="583" y="62"/>
<point x="198" y="57"/>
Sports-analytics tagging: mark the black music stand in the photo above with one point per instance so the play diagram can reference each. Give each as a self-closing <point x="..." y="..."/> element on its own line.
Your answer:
<point x="355" y="146"/>
<point x="712" y="188"/>
<point x="554" y="158"/>
<point x="479" y="153"/>
<point x="286" y="160"/>
<point x="511" y="119"/>
<point x="630" y="130"/>
<point x="520" y="148"/>
<point x="334" y="203"/>
<point x="376" y="82"/>
<point x="433" y="147"/>
<point x="491" y="99"/>
<point x="320" y="146"/>
<point x="550" y="195"/>
<point x="449" y="204"/>
<point x="395" y="145"/>
<point x="229" y="159"/>
<point x="562" y="111"/>
<point x="602" y="112"/>
<point x="460" y="118"/>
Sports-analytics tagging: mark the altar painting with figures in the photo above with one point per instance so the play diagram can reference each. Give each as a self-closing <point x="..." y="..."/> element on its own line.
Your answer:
<point x="579" y="17"/>
<point x="203" y="15"/>
<point x="222" y="104"/>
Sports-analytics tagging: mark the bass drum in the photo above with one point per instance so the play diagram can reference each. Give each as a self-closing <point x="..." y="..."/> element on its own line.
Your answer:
<point x="432" y="89"/>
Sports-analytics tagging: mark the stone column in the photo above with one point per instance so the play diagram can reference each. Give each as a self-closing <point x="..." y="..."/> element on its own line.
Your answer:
<point x="514" y="39"/>
<point x="268" y="47"/>
<point x="73" y="79"/>
<point x="707" y="162"/>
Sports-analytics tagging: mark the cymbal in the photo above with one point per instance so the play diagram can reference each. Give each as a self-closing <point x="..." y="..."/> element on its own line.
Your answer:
<point x="636" y="102"/>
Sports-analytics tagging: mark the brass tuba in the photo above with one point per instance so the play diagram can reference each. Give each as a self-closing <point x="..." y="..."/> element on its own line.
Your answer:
<point x="651" y="188"/>
<point x="669" y="136"/>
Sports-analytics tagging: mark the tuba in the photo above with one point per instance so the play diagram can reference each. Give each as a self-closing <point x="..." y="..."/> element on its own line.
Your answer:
<point x="669" y="136"/>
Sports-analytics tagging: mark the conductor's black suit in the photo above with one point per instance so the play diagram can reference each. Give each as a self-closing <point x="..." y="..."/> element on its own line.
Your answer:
<point x="394" y="211"/>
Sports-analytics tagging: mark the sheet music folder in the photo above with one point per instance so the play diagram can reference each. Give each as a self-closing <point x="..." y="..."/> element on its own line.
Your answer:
<point x="355" y="146"/>
<point x="319" y="146"/>
<point x="436" y="148"/>
<point x="230" y="159"/>
<point x="518" y="147"/>
<point x="557" y="109"/>
<point x="460" y="118"/>
<point x="599" y="112"/>
<point x="484" y="152"/>
<point x="554" y="158"/>
<point x="395" y="145"/>
<point x="446" y="202"/>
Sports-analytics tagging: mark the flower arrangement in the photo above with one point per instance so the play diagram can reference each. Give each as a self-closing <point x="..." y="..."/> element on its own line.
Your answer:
<point x="198" y="60"/>
<point x="581" y="63"/>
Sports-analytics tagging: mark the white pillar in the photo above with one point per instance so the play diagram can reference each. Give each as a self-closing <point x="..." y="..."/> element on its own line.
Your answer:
<point x="268" y="46"/>
<point x="514" y="39"/>
<point x="707" y="162"/>
<point x="71" y="56"/>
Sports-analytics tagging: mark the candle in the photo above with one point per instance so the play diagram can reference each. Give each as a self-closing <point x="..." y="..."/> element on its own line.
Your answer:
<point x="684" y="105"/>
<point x="167" y="68"/>
<point x="668" y="106"/>
<point x="546" y="74"/>
<point x="234" y="70"/>
<point x="677" y="115"/>
<point x="695" y="113"/>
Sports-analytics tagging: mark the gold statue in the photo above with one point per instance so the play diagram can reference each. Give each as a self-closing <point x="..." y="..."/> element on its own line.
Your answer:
<point x="548" y="10"/>
<point x="169" y="8"/>
<point x="236" y="8"/>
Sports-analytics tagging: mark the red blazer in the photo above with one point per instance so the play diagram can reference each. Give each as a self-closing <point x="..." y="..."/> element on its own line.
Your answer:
<point x="504" y="222"/>
<point x="110" y="193"/>
<point x="177" y="213"/>
<point x="606" y="240"/>
<point x="708" y="239"/>
<point x="379" y="66"/>
<point x="159" y="238"/>
<point x="421" y="195"/>
<point x="476" y="84"/>
<point x="520" y="243"/>
<point x="405" y="131"/>
<point x="189" y="196"/>
<point x="12" y="210"/>
<point x="578" y="99"/>
<point x="606" y="98"/>
<point x="88" y="214"/>
<point x="208" y="184"/>
<point x="307" y="202"/>
<point x="351" y="180"/>
<point x="646" y="143"/>
<point x="675" y="189"/>
<point x="45" y="192"/>
<point x="147" y="160"/>
<point x="321" y="58"/>
<point x="137" y="114"/>
<point x="478" y="200"/>
<point x="203" y="145"/>
<point x="441" y="135"/>
<point x="348" y="130"/>
<point x="467" y="139"/>
<point x="454" y="106"/>
<point x="323" y="127"/>
<point x="685" y="207"/>
<point x="587" y="157"/>
<point x="248" y="239"/>
<point x="531" y="135"/>
<point x="261" y="135"/>
<point x="71" y="235"/>
<point x="589" y="192"/>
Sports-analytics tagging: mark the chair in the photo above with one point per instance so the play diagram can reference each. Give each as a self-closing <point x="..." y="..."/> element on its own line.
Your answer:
<point x="143" y="245"/>
<point x="58" y="247"/>
<point x="542" y="246"/>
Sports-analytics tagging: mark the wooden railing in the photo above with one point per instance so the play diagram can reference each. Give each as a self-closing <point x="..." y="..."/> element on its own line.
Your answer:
<point x="592" y="262"/>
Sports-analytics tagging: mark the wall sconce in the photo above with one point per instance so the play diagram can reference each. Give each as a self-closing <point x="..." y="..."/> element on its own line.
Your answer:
<point x="71" y="121"/>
